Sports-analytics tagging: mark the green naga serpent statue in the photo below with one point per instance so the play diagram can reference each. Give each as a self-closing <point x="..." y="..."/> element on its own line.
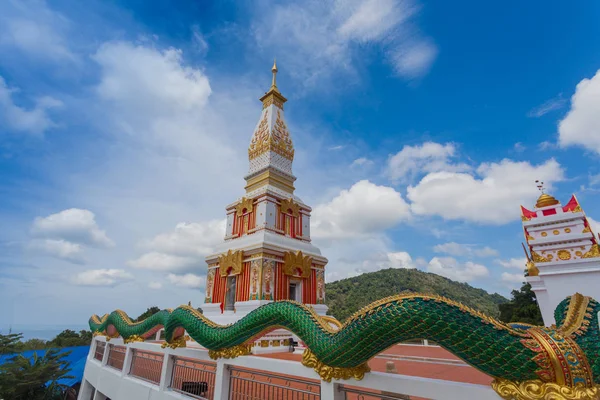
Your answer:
<point x="526" y="362"/>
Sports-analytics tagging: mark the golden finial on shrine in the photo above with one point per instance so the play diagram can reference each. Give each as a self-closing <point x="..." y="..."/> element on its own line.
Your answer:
<point x="274" y="71"/>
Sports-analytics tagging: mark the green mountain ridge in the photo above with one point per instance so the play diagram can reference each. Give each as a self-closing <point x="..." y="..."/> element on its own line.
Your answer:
<point x="346" y="296"/>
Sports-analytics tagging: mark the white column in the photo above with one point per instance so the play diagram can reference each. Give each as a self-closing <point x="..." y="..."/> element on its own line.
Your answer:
<point x="223" y="375"/>
<point x="86" y="390"/>
<point x="425" y="342"/>
<point x="106" y="354"/>
<point x="99" y="396"/>
<point x="330" y="391"/>
<point x="167" y="371"/>
<point x="127" y="361"/>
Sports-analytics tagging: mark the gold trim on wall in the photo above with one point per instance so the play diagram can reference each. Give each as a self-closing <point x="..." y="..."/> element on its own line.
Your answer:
<point x="233" y="259"/>
<point x="292" y="262"/>
<point x="244" y="204"/>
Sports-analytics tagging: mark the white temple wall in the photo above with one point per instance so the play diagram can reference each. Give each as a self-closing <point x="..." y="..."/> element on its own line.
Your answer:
<point x="306" y="225"/>
<point x="271" y="214"/>
<point x="559" y="286"/>
<point x="229" y="227"/>
<point x="261" y="213"/>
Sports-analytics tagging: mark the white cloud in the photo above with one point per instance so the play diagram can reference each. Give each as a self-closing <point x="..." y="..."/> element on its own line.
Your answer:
<point x="190" y="239"/>
<point x="325" y="35"/>
<point x="183" y="248"/>
<point x="370" y="263"/>
<point x="373" y="19"/>
<point x="414" y="59"/>
<point x="155" y="285"/>
<point x="516" y="263"/>
<point x="73" y="225"/>
<point x="101" y="277"/>
<point x="555" y="103"/>
<point x="142" y="78"/>
<point x="519" y="147"/>
<point x="581" y="126"/>
<point x="163" y="262"/>
<point x="187" y="280"/>
<point x="513" y="278"/>
<point x="361" y="162"/>
<point x="34" y="29"/>
<point x="491" y="196"/>
<point x="465" y="250"/>
<point x="199" y="41"/>
<point x="61" y="249"/>
<point x="364" y="209"/>
<point x="35" y="120"/>
<point x="376" y="262"/>
<point x="412" y="161"/>
<point x="452" y="269"/>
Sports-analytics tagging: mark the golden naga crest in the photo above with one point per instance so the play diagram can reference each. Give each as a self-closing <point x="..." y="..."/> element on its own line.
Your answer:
<point x="244" y="204"/>
<point x="297" y="264"/>
<point x="231" y="263"/>
<point x="289" y="206"/>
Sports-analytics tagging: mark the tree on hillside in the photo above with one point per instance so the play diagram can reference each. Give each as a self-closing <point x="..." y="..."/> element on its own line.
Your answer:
<point x="346" y="296"/>
<point x="69" y="338"/>
<point x="523" y="307"/>
<point x="10" y="343"/>
<point x="34" y="378"/>
<point x="148" y="313"/>
<point x="33" y="344"/>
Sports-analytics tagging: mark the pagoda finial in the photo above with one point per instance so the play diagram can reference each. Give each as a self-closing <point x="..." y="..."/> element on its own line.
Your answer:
<point x="274" y="71"/>
<point x="540" y="186"/>
<point x="545" y="199"/>
<point x="273" y="95"/>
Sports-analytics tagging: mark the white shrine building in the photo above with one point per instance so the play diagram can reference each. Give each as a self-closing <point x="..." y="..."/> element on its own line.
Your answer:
<point x="565" y="257"/>
<point x="267" y="253"/>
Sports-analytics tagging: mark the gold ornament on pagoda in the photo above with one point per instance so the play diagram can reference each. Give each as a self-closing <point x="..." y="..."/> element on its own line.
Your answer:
<point x="289" y="206"/>
<point x="537" y="258"/>
<point x="564" y="255"/>
<point x="545" y="200"/>
<point x="244" y="204"/>
<point x="297" y="263"/>
<point x="593" y="252"/>
<point x="532" y="270"/>
<point x="233" y="260"/>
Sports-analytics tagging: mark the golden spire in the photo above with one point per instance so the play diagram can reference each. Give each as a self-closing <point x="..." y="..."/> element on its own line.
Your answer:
<point x="274" y="71"/>
<point x="273" y="96"/>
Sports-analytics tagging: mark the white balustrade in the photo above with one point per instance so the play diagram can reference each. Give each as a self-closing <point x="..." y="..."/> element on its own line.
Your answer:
<point x="215" y="380"/>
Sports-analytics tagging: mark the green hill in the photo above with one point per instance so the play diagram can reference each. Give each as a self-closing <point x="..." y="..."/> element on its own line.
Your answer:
<point x="347" y="296"/>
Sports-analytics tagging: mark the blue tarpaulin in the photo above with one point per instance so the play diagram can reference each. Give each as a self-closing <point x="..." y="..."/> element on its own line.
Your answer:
<point x="76" y="361"/>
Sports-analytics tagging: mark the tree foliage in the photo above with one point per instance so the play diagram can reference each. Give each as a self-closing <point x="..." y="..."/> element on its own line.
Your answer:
<point x="148" y="313"/>
<point x="523" y="307"/>
<point x="35" y="378"/>
<point x="347" y="296"/>
<point x="69" y="338"/>
<point x="10" y="343"/>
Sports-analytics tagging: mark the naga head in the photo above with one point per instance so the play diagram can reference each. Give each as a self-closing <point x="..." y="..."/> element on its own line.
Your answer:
<point x="577" y="318"/>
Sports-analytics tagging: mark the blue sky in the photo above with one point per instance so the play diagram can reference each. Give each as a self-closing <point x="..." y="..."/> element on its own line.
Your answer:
<point x="419" y="127"/>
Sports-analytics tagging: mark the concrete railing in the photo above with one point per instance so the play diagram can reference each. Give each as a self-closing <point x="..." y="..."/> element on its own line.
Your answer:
<point x="189" y="373"/>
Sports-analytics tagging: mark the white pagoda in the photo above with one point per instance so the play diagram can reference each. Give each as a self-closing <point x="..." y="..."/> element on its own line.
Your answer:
<point x="565" y="257"/>
<point x="267" y="253"/>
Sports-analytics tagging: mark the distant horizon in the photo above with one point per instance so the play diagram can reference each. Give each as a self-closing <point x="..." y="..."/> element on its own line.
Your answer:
<point x="41" y="331"/>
